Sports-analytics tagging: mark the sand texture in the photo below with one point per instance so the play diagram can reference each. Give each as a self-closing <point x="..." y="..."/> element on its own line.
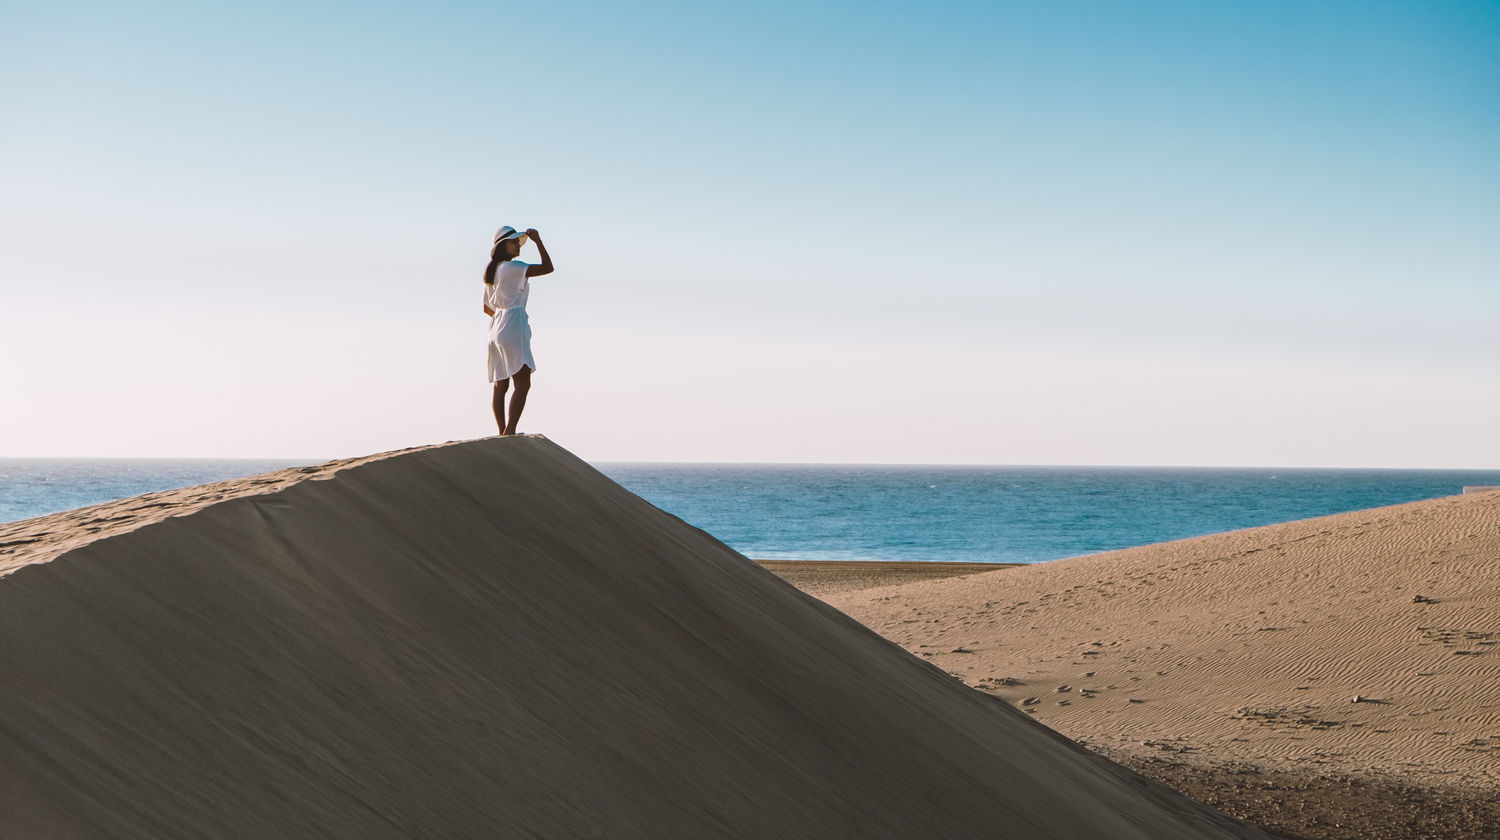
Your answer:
<point x="489" y="639"/>
<point x="1363" y="647"/>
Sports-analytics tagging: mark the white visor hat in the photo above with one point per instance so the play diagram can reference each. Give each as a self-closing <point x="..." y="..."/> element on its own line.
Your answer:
<point x="509" y="232"/>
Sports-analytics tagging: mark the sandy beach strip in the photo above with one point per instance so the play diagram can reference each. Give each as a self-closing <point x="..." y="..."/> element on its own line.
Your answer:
<point x="1330" y="678"/>
<point x="829" y="577"/>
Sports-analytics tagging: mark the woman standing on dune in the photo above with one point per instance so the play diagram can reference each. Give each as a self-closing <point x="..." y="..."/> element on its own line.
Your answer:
<point x="507" y="285"/>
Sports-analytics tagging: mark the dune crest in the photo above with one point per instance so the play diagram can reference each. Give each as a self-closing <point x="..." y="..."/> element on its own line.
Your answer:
<point x="489" y="639"/>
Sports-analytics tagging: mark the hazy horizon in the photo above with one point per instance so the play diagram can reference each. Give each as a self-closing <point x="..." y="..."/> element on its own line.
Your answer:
<point x="894" y="464"/>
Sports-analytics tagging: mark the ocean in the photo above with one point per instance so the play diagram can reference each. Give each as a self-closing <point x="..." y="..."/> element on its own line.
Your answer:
<point x="849" y="512"/>
<point x="1004" y="514"/>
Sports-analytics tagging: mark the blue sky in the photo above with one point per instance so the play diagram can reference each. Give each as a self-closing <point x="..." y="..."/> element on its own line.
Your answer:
<point x="1138" y="233"/>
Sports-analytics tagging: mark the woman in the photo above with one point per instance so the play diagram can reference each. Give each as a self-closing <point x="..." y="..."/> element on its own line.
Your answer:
<point x="507" y="284"/>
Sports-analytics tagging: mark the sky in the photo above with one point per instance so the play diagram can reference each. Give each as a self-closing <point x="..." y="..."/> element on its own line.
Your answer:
<point x="1155" y="233"/>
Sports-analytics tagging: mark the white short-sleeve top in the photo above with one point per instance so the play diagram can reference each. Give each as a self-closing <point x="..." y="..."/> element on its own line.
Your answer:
<point x="511" y="287"/>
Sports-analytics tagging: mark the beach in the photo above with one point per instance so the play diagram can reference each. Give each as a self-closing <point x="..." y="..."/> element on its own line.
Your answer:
<point x="1331" y="677"/>
<point x="832" y="577"/>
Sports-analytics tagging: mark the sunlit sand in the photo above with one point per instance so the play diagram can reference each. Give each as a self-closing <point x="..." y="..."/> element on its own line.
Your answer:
<point x="1330" y="659"/>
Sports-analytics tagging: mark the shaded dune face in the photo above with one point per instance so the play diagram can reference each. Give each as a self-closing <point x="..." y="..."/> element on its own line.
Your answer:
<point x="491" y="639"/>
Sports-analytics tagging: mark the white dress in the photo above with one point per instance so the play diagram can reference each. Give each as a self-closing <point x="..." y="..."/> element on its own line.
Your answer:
<point x="510" y="331"/>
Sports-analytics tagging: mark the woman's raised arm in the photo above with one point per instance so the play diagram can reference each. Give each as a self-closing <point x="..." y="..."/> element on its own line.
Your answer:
<point x="546" y="265"/>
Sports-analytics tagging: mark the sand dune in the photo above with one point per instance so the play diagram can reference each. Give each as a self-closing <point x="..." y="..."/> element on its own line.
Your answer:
<point x="488" y="639"/>
<point x="1365" y="644"/>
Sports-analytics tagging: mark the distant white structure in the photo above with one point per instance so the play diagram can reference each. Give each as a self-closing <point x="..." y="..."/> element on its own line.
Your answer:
<point x="1481" y="488"/>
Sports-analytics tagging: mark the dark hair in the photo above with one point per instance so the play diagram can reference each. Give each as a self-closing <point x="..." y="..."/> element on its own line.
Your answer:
<point x="497" y="256"/>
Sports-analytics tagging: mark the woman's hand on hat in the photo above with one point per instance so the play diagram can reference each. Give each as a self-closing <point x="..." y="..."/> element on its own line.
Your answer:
<point x="531" y="232"/>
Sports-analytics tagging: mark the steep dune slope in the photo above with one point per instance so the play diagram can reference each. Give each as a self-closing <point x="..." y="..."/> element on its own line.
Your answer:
<point x="489" y="639"/>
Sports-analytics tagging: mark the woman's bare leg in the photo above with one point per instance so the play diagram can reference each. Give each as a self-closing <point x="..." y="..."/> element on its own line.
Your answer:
<point x="518" y="399"/>
<point x="497" y="402"/>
